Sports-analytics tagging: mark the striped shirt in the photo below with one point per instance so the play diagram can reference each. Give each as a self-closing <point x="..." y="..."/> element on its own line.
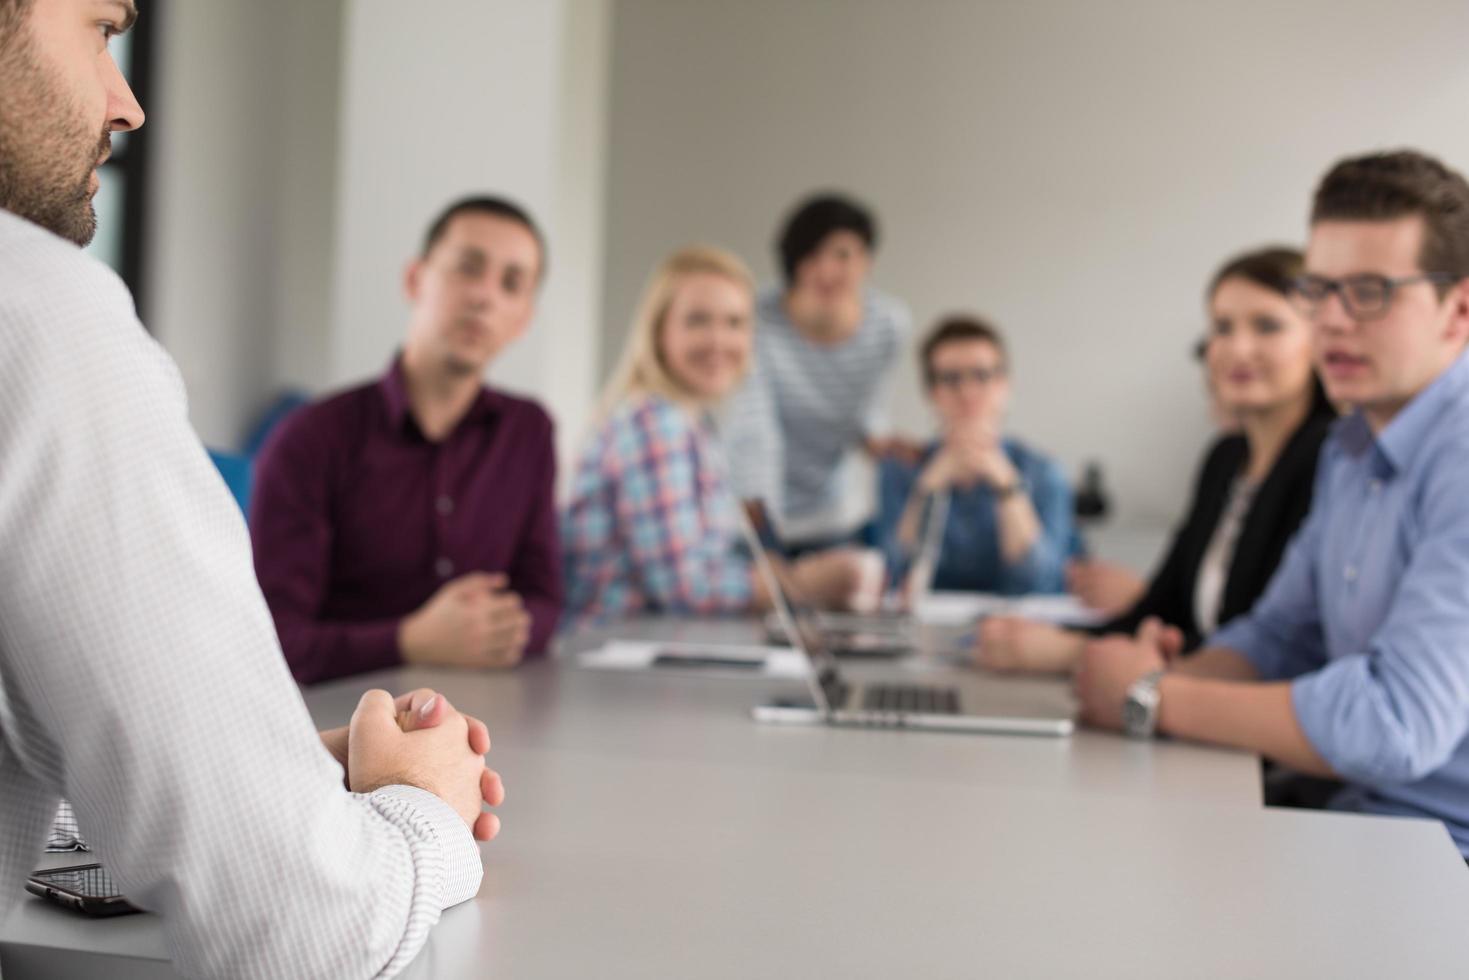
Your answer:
<point x="140" y="673"/>
<point x="796" y="423"/>
<point x="652" y="525"/>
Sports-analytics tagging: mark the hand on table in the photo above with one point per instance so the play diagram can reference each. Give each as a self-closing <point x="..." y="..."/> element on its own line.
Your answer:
<point x="1105" y="586"/>
<point x="1111" y="665"/>
<point x="471" y="621"/>
<point x="830" y="579"/>
<point x="1012" y="644"/>
<point x="415" y="712"/>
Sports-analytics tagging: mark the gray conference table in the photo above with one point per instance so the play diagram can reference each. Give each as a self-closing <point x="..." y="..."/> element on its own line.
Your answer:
<point x="653" y="830"/>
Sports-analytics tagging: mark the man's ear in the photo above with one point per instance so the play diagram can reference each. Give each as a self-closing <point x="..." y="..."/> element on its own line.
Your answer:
<point x="412" y="279"/>
<point x="1458" y="299"/>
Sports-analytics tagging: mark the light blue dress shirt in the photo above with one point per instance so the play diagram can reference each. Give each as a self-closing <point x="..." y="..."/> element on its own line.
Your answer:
<point x="1369" y="611"/>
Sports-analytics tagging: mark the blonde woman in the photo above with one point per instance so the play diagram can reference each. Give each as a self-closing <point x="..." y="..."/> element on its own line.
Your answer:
<point x="652" y="525"/>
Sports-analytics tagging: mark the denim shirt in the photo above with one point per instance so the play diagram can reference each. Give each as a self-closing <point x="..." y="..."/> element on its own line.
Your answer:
<point x="969" y="558"/>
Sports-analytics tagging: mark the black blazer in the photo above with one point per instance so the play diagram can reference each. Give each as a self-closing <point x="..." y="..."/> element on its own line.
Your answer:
<point x="1276" y="512"/>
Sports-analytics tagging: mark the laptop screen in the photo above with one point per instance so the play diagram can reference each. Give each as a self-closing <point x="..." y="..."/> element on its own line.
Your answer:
<point x="797" y="614"/>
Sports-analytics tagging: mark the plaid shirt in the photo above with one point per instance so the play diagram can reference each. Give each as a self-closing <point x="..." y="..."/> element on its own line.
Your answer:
<point x="652" y="524"/>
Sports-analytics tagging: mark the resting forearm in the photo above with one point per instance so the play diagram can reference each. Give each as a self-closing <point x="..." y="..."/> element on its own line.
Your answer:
<point x="909" y="523"/>
<point x="1254" y="716"/>
<point x="1019" y="527"/>
<point x="1218" y="663"/>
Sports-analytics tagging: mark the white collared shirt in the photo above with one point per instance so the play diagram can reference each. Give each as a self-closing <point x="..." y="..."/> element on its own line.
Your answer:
<point x="140" y="674"/>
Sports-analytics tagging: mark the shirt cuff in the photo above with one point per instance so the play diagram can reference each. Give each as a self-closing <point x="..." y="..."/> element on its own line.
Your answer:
<point x="1241" y="636"/>
<point x="376" y="645"/>
<point x="463" y="867"/>
<point x="544" y="612"/>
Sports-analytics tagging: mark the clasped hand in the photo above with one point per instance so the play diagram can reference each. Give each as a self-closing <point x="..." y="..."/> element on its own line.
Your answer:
<point x="419" y="739"/>
<point x="1111" y="665"/>
<point x="968" y="457"/>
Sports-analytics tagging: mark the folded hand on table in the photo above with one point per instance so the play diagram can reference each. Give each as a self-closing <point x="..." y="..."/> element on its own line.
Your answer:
<point x="419" y="739"/>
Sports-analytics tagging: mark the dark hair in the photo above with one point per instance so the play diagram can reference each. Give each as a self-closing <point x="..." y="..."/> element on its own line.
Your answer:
<point x="958" y="327"/>
<point x="498" y="207"/>
<point x="815" y="218"/>
<point x="1388" y="186"/>
<point x="1274" y="268"/>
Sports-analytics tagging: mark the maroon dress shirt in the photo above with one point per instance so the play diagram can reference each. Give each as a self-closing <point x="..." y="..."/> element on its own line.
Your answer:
<point x="357" y="519"/>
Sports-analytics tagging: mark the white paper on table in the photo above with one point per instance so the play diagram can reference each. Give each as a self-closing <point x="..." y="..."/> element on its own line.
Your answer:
<point x="961" y="608"/>
<point x="639" y="654"/>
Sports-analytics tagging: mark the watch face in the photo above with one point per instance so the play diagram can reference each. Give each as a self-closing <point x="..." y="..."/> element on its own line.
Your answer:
<point x="1134" y="717"/>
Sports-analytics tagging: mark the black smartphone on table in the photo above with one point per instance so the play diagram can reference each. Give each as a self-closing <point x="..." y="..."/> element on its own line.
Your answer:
<point x="85" y="888"/>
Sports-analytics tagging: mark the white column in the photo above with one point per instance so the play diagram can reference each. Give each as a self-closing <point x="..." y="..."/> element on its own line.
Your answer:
<point x="442" y="98"/>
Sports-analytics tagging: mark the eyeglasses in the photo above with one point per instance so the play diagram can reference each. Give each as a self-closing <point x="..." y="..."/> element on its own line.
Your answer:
<point x="1365" y="297"/>
<point x="954" y="380"/>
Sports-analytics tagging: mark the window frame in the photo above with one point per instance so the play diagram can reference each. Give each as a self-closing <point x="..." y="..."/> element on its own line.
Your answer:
<point x="130" y="162"/>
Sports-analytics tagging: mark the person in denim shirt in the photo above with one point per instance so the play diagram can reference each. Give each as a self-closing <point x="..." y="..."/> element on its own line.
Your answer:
<point x="1009" y="515"/>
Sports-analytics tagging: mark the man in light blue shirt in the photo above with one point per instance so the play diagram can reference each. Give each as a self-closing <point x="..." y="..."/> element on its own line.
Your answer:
<point x="1355" y="662"/>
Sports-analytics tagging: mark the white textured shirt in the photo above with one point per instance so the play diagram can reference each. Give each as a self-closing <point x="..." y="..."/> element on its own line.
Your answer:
<point x="140" y="674"/>
<point x="795" y="427"/>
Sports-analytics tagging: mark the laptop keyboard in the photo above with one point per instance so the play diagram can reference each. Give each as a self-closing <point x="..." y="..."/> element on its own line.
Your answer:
<point x="908" y="699"/>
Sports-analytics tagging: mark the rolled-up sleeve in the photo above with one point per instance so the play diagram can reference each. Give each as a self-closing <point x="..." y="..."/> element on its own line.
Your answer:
<point x="1395" y="712"/>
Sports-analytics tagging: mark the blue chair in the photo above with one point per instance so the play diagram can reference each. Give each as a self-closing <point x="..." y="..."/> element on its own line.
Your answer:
<point x="238" y="472"/>
<point x="284" y="404"/>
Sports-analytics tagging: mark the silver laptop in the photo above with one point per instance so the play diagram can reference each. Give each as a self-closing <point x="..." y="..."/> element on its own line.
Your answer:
<point x="880" y="633"/>
<point x="965" y="705"/>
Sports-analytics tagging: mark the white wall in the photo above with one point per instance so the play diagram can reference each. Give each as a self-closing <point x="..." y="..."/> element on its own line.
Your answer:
<point x="1073" y="169"/>
<point x="302" y="148"/>
<point x="447" y="97"/>
<point x="243" y="129"/>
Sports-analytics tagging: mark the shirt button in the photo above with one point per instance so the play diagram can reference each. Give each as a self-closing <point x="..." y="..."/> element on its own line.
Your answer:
<point x="1375" y="486"/>
<point x="445" y="506"/>
<point x="1350" y="574"/>
<point x="444" y="567"/>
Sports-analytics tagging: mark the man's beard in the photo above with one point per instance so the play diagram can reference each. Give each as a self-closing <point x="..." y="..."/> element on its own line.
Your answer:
<point x="45" y="169"/>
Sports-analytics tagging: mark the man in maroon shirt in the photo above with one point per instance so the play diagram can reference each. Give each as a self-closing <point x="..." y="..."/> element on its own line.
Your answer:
<point x="411" y="519"/>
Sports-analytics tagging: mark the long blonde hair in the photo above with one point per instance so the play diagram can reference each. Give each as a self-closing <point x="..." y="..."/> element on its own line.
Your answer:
<point x="642" y="369"/>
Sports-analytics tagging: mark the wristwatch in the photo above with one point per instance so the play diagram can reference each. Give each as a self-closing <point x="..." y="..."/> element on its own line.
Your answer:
<point x="1008" y="490"/>
<point x="1140" y="710"/>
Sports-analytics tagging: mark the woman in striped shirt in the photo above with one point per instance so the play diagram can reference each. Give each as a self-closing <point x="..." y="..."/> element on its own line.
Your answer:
<point x="652" y="525"/>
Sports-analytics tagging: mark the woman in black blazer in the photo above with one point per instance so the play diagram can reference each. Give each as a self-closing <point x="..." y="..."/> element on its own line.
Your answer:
<point x="1253" y="490"/>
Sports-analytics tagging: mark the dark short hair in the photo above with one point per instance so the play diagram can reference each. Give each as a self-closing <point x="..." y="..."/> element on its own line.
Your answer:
<point x="1388" y="186"/>
<point x="957" y="328"/>
<point x="1275" y="268"/>
<point x="815" y="218"/>
<point x="498" y="207"/>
